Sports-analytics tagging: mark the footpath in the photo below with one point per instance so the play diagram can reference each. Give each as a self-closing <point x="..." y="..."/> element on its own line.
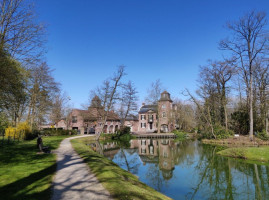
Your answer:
<point x="74" y="179"/>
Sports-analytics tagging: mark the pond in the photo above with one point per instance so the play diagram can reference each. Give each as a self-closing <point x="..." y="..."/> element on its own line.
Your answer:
<point x="188" y="169"/>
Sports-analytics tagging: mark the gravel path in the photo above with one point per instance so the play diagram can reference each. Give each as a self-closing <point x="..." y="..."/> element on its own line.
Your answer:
<point x="73" y="179"/>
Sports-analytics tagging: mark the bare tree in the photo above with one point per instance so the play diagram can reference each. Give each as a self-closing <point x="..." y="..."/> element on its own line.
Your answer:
<point x="109" y="95"/>
<point x="20" y="34"/>
<point x="59" y="107"/>
<point x="154" y="92"/>
<point x="184" y="115"/>
<point x="128" y="100"/>
<point x="249" y="42"/>
<point x="204" y="113"/>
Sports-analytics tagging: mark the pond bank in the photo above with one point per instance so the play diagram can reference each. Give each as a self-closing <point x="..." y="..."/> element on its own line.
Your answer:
<point x="242" y="147"/>
<point x="120" y="183"/>
<point x="260" y="154"/>
<point x="236" y="142"/>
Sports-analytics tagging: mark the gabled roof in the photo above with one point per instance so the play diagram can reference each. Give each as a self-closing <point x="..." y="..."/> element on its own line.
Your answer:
<point x="148" y="108"/>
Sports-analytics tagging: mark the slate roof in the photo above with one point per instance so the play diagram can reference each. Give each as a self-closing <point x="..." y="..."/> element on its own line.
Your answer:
<point x="165" y="96"/>
<point x="146" y="108"/>
<point x="132" y="118"/>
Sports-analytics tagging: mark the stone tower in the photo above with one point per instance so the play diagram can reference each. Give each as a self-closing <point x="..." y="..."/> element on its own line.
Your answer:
<point x="165" y="107"/>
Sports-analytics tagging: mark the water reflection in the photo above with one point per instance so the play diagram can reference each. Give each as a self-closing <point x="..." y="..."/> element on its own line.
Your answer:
<point x="188" y="170"/>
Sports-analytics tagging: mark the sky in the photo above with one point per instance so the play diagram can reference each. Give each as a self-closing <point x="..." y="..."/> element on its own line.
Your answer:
<point x="154" y="39"/>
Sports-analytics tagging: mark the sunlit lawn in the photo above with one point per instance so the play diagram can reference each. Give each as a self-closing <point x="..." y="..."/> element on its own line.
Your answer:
<point x="120" y="183"/>
<point x="251" y="153"/>
<point x="24" y="174"/>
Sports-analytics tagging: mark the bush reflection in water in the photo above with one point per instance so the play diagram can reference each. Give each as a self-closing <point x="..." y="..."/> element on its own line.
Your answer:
<point x="188" y="169"/>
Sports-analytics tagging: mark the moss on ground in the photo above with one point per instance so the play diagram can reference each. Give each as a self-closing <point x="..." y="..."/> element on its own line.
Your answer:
<point x="120" y="183"/>
<point x="24" y="174"/>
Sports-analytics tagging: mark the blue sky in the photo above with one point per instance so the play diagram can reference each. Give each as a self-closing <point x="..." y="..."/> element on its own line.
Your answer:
<point x="154" y="39"/>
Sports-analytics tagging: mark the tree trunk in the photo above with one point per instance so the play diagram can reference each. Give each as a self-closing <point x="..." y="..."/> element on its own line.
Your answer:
<point x="250" y="104"/>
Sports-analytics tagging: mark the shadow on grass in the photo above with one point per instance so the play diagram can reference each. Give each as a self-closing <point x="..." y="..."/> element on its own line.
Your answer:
<point x="20" y="189"/>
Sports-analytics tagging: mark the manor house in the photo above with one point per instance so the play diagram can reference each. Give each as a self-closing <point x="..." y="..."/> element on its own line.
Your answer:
<point x="148" y="120"/>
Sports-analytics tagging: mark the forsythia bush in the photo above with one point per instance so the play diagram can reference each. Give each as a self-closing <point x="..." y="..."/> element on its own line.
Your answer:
<point x="22" y="131"/>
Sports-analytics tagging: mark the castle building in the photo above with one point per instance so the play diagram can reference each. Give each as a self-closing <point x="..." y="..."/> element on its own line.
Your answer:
<point x="152" y="117"/>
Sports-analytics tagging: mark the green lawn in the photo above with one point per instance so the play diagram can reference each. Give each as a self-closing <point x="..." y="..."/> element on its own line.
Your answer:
<point x="120" y="183"/>
<point x="24" y="174"/>
<point x="260" y="154"/>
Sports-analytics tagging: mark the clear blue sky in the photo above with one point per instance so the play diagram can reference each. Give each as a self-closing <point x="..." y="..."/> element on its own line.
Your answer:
<point x="166" y="39"/>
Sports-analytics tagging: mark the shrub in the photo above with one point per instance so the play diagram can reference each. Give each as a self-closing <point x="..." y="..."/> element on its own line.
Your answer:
<point x="221" y="133"/>
<point x="124" y="130"/>
<point x="263" y="135"/>
<point x="57" y="132"/>
<point x="180" y="134"/>
<point x="22" y="131"/>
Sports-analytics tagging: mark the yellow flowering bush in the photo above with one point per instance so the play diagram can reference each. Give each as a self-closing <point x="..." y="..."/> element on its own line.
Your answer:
<point x="22" y="131"/>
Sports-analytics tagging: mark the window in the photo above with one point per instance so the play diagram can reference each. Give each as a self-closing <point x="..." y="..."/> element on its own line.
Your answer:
<point x="163" y="106"/>
<point x="143" y="117"/>
<point x="74" y="119"/>
<point x="164" y="114"/>
<point x="143" y="125"/>
<point x="143" y="151"/>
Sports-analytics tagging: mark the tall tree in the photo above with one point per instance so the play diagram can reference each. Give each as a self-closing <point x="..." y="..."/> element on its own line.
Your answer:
<point x="249" y="42"/>
<point x="13" y="96"/>
<point x="42" y="88"/>
<point x="128" y="100"/>
<point x="59" y="108"/>
<point x="109" y="95"/>
<point x="154" y="92"/>
<point x="20" y="34"/>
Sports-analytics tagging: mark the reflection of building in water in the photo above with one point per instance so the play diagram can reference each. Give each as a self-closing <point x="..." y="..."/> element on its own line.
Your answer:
<point x="162" y="151"/>
<point x="109" y="149"/>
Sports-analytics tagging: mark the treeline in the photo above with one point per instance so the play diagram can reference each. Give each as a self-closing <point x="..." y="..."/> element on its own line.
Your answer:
<point x="233" y="93"/>
<point x="28" y="91"/>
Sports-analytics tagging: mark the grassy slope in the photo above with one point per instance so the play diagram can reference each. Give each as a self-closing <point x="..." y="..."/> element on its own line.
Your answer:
<point x="251" y="153"/>
<point x="120" y="183"/>
<point x="24" y="174"/>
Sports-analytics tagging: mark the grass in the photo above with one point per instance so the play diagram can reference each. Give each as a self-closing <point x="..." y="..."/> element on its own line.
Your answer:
<point x="260" y="154"/>
<point x="120" y="183"/>
<point x="24" y="174"/>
